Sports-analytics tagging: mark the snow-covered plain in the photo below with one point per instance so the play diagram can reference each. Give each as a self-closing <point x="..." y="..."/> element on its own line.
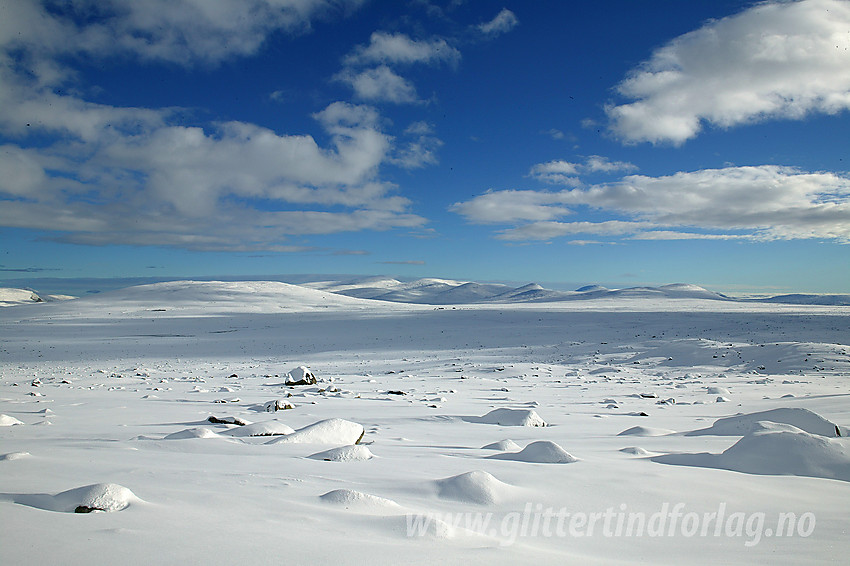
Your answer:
<point x="106" y="400"/>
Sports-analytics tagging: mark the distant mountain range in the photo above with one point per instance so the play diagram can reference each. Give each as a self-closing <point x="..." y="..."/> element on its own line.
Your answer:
<point x="449" y="292"/>
<point x="430" y="291"/>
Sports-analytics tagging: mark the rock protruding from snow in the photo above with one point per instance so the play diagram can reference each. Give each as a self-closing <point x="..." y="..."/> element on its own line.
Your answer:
<point x="6" y="420"/>
<point x="265" y="428"/>
<point x="278" y="405"/>
<point x="510" y="417"/>
<point x="740" y="425"/>
<point x="473" y="487"/>
<point x="329" y="431"/>
<point x="228" y="420"/>
<point x="351" y="453"/>
<point x="300" y="376"/>
<point x="106" y="497"/>
<point x="542" y="452"/>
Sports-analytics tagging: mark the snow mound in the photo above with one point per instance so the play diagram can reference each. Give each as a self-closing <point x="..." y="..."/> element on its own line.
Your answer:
<point x="107" y="497"/>
<point x="510" y="417"/>
<point x="6" y="420"/>
<point x="200" y="432"/>
<point x="646" y="431"/>
<point x="330" y="431"/>
<point x="15" y="456"/>
<point x="784" y="453"/>
<point x="717" y="391"/>
<point x="636" y="451"/>
<point x="264" y="428"/>
<point x="358" y="500"/>
<point x="541" y="452"/>
<point x="502" y="445"/>
<point x="351" y="453"/>
<point x="473" y="487"/>
<point x="740" y="425"/>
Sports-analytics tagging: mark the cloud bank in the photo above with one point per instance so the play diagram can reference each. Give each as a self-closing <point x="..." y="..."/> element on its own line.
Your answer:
<point x="749" y="203"/>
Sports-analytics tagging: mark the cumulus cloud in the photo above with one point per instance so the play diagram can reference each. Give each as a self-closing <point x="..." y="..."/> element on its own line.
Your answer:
<point x="368" y="69"/>
<point x="398" y="48"/>
<point x="556" y="172"/>
<point x="506" y="207"/>
<point x="757" y="203"/>
<point x="560" y="172"/>
<point x="504" y="22"/>
<point x="420" y="149"/>
<point x="179" y="31"/>
<point x="122" y="175"/>
<point x="774" y="60"/>
<point x="379" y="84"/>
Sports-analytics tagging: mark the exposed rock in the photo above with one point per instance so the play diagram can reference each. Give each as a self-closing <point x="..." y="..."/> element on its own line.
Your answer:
<point x="228" y="420"/>
<point x="300" y="376"/>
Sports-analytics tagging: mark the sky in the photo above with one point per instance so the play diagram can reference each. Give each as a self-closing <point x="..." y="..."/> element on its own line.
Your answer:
<point x="613" y="142"/>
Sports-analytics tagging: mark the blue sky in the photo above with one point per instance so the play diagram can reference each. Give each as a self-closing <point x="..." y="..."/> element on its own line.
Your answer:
<point x="612" y="142"/>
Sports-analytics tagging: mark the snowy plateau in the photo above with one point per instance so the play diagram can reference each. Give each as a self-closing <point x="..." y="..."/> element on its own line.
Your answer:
<point x="429" y="422"/>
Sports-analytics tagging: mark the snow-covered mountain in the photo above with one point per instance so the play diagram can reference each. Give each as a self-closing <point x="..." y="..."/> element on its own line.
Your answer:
<point x="426" y="291"/>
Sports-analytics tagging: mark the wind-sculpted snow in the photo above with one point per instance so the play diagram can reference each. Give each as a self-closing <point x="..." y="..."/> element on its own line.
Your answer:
<point x="424" y="423"/>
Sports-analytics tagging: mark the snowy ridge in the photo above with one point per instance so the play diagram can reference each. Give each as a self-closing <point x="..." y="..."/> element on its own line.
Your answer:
<point x="426" y="291"/>
<point x="448" y="292"/>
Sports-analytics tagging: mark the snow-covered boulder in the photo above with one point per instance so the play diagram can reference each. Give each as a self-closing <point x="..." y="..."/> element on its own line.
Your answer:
<point x="351" y="453"/>
<point x="646" y="431"/>
<point x="330" y="431"/>
<point x="541" y="452"/>
<point x="199" y="432"/>
<point x="510" y="417"/>
<point x="6" y="420"/>
<point x="502" y="445"/>
<point x="363" y="502"/>
<point x="278" y="405"/>
<point x="106" y="497"/>
<point x="740" y="425"/>
<point x="473" y="487"/>
<point x="791" y="452"/>
<point x="265" y="428"/>
<point x="300" y="376"/>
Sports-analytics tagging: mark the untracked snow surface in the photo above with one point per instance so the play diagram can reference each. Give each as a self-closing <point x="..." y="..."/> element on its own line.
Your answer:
<point x="656" y="426"/>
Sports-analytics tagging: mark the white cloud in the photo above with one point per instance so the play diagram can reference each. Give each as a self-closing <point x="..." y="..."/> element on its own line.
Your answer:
<point x="597" y="163"/>
<point x="180" y="31"/>
<point x="774" y="60"/>
<point x="757" y="203"/>
<point x="121" y="175"/>
<point x="560" y="172"/>
<point x="504" y="22"/>
<point x="556" y="172"/>
<point x="421" y="149"/>
<point x="505" y="207"/>
<point x="379" y="84"/>
<point x="550" y="230"/>
<point x="674" y="235"/>
<point x="398" y="48"/>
